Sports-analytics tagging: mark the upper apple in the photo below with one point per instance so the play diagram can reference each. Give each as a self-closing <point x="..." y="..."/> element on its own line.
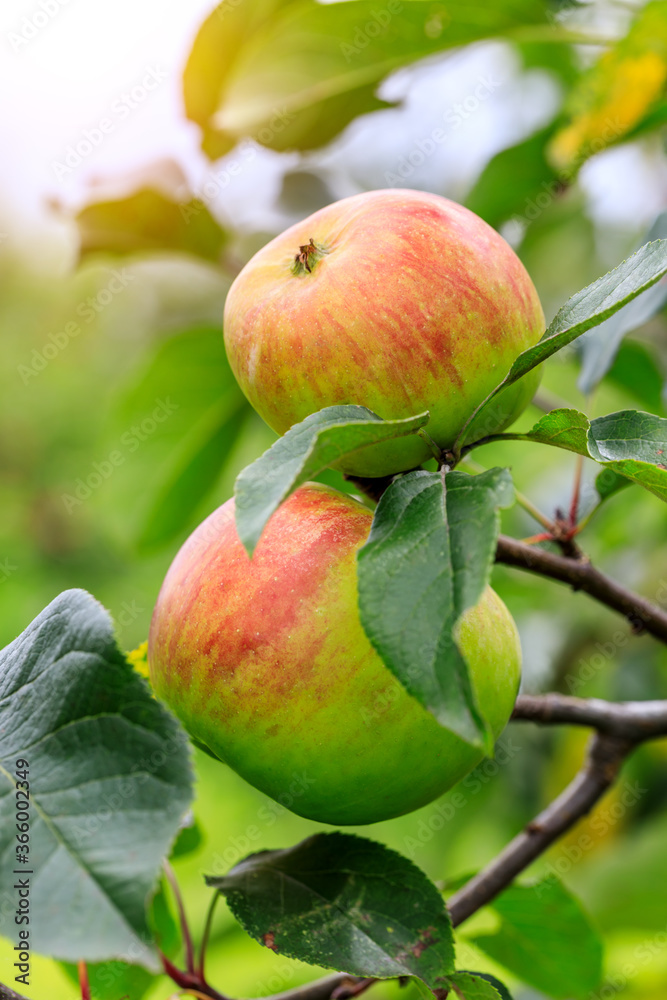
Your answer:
<point x="403" y="302"/>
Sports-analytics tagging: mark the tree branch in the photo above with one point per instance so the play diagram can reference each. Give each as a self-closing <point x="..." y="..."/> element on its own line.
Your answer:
<point x="630" y="720"/>
<point x="581" y="575"/>
<point x="620" y="728"/>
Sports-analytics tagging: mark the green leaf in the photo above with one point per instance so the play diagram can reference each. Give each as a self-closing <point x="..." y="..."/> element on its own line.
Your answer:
<point x="293" y="75"/>
<point x="629" y="443"/>
<point x="566" y="429"/>
<point x="320" y="440"/>
<point x="169" y="466"/>
<point x="346" y="903"/>
<point x="189" y="839"/>
<point x="424" y="564"/>
<point x="148" y="221"/>
<point x="600" y="346"/>
<point x="512" y="180"/>
<point x="109" y="777"/>
<point x="608" y="482"/>
<point x="546" y="940"/>
<point x="638" y="370"/>
<point x="197" y="475"/>
<point x="596" y="303"/>
<point x="586" y="309"/>
<point x="629" y="434"/>
<point x="472" y="986"/>
<point x="501" y="990"/>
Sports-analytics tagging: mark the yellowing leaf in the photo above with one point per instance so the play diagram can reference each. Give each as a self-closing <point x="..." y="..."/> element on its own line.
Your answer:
<point x="617" y="92"/>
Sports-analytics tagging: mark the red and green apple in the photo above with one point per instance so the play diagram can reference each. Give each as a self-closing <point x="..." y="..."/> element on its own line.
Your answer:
<point x="396" y="300"/>
<point x="267" y="664"/>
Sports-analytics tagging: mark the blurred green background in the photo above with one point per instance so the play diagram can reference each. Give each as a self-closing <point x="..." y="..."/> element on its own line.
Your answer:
<point x="547" y="120"/>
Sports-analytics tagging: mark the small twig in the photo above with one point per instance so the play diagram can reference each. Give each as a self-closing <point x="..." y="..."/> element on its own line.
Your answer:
<point x="206" y="935"/>
<point x="185" y="929"/>
<point x="581" y="575"/>
<point x="534" y="511"/>
<point x="83" y="981"/>
<point x="576" y="492"/>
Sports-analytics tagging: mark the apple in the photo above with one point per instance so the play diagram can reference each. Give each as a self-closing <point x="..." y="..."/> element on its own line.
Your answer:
<point x="399" y="301"/>
<point x="267" y="665"/>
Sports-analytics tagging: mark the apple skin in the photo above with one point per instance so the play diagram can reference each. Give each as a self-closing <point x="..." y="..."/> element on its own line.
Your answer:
<point x="267" y="665"/>
<point x="414" y="303"/>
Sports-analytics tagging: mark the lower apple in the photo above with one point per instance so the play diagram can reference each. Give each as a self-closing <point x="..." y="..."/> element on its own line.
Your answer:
<point x="266" y="663"/>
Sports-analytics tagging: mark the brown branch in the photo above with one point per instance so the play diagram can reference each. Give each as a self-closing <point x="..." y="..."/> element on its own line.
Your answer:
<point x="620" y="728"/>
<point x="581" y="575"/>
<point x="605" y="756"/>
<point x="630" y="720"/>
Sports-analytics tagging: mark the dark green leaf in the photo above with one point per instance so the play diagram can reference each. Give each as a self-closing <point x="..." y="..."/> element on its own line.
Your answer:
<point x="512" y="180"/>
<point x="109" y="781"/>
<point x="546" y="940"/>
<point x="633" y="444"/>
<point x="148" y="221"/>
<point x="422" y="567"/>
<point x="293" y="75"/>
<point x="587" y="308"/>
<point x="599" y="346"/>
<point x="320" y="440"/>
<point x="345" y="903"/>
<point x="471" y="986"/>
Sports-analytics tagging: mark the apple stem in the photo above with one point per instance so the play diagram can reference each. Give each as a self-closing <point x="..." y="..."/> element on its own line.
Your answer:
<point x="436" y="450"/>
<point x="309" y="254"/>
<point x="185" y="929"/>
<point x="83" y="981"/>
